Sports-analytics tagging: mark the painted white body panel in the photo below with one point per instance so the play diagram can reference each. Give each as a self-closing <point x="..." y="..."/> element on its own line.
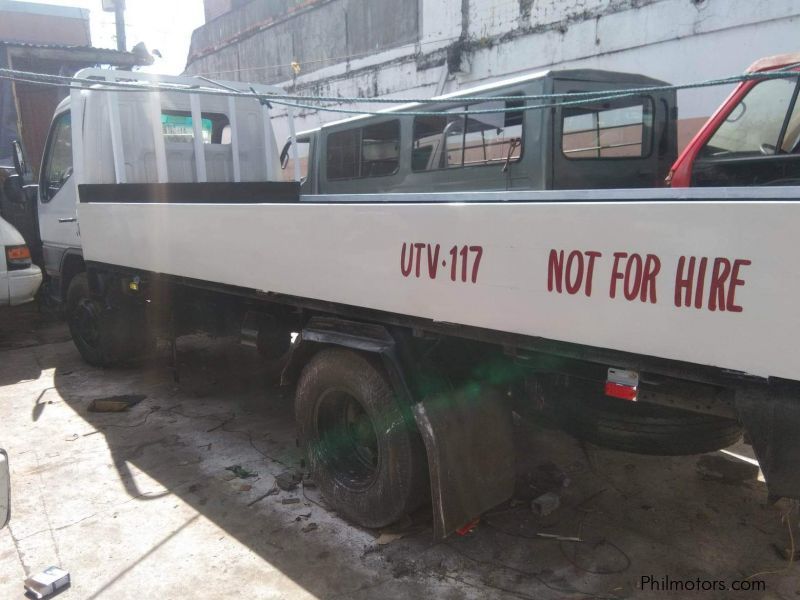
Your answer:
<point x="351" y="254"/>
<point x="16" y="287"/>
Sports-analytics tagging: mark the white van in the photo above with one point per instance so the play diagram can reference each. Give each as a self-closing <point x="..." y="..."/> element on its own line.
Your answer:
<point x="19" y="277"/>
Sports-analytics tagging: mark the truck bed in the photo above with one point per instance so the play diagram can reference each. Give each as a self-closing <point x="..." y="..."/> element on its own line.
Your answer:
<point x="706" y="276"/>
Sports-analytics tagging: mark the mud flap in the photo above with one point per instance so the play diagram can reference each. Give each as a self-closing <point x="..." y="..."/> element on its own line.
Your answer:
<point x="771" y="416"/>
<point x="469" y="441"/>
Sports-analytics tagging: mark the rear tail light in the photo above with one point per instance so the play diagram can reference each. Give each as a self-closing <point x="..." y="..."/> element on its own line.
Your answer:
<point x="18" y="257"/>
<point x="622" y="384"/>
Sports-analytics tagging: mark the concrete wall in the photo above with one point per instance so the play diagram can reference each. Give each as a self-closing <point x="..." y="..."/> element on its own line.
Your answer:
<point x="462" y="43"/>
<point x="260" y="41"/>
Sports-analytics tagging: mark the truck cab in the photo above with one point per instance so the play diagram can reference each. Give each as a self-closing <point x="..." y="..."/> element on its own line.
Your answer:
<point x="62" y="257"/>
<point x="754" y="137"/>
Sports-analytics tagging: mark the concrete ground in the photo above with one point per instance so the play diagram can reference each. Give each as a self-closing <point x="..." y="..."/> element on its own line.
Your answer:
<point x="140" y="504"/>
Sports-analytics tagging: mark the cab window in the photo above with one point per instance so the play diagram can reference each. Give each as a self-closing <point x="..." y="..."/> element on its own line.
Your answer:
<point x="371" y="151"/>
<point x="754" y="125"/>
<point x="178" y="127"/>
<point x="614" y="129"/>
<point x="455" y="140"/>
<point x="58" y="166"/>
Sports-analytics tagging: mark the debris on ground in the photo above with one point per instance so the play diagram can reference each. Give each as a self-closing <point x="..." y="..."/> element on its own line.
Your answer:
<point x="468" y="527"/>
<point x="310" y="527"/>
<point x="290" y="501"/>
<point x="551" y="475"/>
<point x="309" y="483"/>
<point x="726" y="470"/>
<point x="240" y="472"/>
<point x="545" y="504"/>
<point x="271" y="492"/>
<point x="396" y="531"/>
<point x="245" y="487"/>
<point x="560" y="538"/>
<point x="119" y="403"/>
<point x="47" y="583"/>
<point x="388" y="538"/>
<point x="288" y="480"/>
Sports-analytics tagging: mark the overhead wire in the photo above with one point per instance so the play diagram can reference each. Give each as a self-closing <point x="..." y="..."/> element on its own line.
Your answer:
<point x="567" y="99"/>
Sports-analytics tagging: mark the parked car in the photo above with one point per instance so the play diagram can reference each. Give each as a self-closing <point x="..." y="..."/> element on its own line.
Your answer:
<point x="19" y="277"/>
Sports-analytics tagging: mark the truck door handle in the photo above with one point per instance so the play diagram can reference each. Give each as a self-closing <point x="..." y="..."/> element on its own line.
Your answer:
<point x="68" y="220"/>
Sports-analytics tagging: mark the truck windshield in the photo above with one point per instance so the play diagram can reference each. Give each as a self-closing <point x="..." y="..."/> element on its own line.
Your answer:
<point x="58" y="164"/>
<point x="754" y="125"/>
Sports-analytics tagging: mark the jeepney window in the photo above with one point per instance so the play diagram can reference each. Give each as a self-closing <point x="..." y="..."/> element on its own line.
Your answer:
<point x="453" y="140"/>
<point x="754" y="125"/>
<point x="342" y="162"/>
<point x="380" y="149"/>
<point x="178" y="127"/>
<point x="371" y="151"/>
<point x="58" y="168"/>
<point x="493" y="137"/>
<point x="613" y="129"/>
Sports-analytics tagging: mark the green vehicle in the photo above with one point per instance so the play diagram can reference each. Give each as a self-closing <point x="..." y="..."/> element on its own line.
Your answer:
<point x="625" y="142"/>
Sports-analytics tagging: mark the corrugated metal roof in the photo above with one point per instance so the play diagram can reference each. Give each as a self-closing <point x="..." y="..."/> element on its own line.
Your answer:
<point x="115" y="56"/>
<point x="35" y="8"/>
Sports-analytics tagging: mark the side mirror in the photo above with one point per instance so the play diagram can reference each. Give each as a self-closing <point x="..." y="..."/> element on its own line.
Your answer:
<point x="5" y="489"/>
<point x="14" y="190"/>
<point x="285" y="154"/>
<point x="20" y="164"/>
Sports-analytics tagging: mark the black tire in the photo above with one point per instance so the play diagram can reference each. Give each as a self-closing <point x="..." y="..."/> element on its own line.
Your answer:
<point x="104" y="337"/>
<point x="366" y="457"/>
<point x="638" y="427"/>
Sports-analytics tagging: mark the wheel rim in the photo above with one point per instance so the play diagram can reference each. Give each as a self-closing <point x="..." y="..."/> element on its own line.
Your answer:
<point x="85" y="322"/>
<point x="346" y="442"/>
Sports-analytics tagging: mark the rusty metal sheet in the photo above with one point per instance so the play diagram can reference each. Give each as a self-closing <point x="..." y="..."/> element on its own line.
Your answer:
<point x="468" y="438"/>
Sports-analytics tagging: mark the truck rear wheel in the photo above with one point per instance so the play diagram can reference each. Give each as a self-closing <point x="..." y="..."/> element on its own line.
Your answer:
<point x="366" y="457"/>
<point x="638" y="427"/>
<point x="104" y="337"/>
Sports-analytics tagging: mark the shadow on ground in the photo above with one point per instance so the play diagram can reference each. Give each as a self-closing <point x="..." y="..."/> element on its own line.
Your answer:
<point x="635" y="516"/>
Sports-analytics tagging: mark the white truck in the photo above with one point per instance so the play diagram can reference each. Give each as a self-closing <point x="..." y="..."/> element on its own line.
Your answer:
<point x="650" y="320"/>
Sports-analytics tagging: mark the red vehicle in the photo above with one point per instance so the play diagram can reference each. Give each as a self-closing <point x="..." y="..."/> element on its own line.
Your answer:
<point x="753" y="138"/>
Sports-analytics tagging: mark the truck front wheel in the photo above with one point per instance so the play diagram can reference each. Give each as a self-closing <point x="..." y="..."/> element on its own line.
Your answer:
<point x="104" y="337"/>
<point x="366" y="457"/>
<point x="84" y="316"/>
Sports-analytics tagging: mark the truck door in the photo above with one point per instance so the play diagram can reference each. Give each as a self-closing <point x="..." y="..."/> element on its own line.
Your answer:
<point x="759" y="141"/>
<point x="58" y="223"/>
<point x="615" y="143"/>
